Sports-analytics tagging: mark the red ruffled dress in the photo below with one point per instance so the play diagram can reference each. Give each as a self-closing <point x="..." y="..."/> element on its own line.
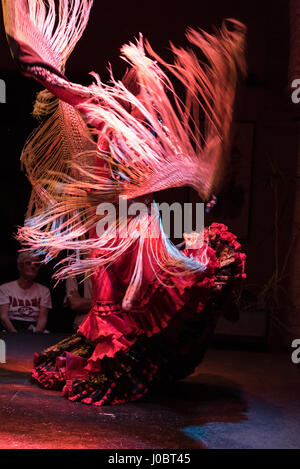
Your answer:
<point x="117" y="356"/>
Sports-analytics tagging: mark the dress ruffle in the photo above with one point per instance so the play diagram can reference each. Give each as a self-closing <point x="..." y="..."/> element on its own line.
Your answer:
<point x="117" y="355"/>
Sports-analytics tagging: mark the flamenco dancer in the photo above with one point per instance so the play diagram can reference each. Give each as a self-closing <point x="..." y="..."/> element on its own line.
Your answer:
<point x="154" y="307"/>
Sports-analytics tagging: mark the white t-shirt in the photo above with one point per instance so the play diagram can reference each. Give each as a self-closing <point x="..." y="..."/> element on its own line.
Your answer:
<point x="24" y="305"/>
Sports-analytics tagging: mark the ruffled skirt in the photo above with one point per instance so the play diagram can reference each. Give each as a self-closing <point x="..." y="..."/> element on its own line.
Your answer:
<point x="117" y="356"/>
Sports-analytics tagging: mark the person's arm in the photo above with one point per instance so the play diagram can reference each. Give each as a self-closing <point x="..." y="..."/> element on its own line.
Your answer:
<point x="5" y="319"/>
<point x="79" y="305"/>
<point x="41" y="57"/>
<point x="42" y="319"/>
<point x="45" y="305"/>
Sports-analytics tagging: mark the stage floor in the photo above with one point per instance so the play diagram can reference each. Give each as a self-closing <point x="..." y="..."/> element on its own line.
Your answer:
<point x="235" y="399"/>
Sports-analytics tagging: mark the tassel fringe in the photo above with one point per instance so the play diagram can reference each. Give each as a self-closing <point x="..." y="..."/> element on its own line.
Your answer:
<point x="173" y="143"/>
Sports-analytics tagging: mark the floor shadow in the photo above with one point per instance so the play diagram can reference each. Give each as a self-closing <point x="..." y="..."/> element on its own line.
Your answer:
<point x="201" y="399"/>
<point x="13" y="374"/>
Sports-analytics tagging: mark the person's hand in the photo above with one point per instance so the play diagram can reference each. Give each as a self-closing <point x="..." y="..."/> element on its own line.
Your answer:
<point x="75" y="300"/>
<point x="78" y="304"/>
<point x="33" y="329"/>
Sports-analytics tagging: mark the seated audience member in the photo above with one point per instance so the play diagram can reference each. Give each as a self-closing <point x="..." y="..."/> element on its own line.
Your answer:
<point x="24" y="303"/>
<point x="78" y="298"/>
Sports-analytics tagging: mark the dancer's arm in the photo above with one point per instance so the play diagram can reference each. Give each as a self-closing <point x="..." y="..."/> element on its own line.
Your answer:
<point x="50" y="77"/>
<point x="41" y="49"/>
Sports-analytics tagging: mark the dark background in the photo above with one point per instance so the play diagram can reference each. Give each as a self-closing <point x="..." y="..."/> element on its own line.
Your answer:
<point x="263" y="100"/>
